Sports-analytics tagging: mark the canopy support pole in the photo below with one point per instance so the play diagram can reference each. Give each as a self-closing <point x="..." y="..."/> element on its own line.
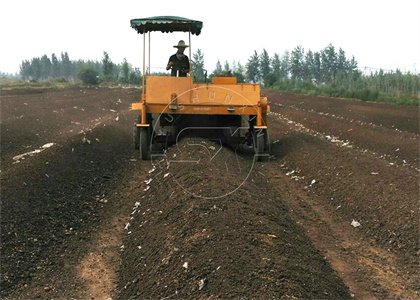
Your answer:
<point x="149" y="53"/>
<point x="144" y="58"/>
<point x="143" y="96"/>
<point x="189" y="73"/>
<point x="189" y="38"/>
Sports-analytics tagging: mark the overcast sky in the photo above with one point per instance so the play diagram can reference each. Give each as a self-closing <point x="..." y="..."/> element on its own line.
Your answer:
<point x="380" y="34"/>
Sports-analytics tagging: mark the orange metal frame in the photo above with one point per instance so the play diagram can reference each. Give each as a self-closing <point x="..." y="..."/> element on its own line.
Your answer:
<point x="179" y="95"/>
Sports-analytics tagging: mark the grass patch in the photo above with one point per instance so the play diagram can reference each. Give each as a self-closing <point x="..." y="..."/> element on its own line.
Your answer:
<point x="340" y="92"/>
<point x="11" y="86"/>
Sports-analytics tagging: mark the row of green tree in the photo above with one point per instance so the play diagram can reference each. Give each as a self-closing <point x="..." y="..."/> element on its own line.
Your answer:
<point x="200" y="73"/>
<point x="324" y="72"/>
<point x="89" y="71"/>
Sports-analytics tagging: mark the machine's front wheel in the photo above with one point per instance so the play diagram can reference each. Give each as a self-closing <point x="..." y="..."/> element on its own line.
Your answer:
<point x="136" y="134"/>
<point x="145" y="143"/>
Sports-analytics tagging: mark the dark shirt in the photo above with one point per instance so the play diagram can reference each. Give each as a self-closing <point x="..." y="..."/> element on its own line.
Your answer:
<point x="183" y="65"/>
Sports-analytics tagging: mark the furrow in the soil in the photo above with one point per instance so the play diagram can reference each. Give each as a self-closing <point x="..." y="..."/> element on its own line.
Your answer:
<point x="357" y="191"/>
<point x="52" y="208"/>
<point x="366" y="269"/>
<point x="333" y="214"/>
<point x="243" y="244"/>
<point x="344" y="118"/>
<point x="393" y="160"/>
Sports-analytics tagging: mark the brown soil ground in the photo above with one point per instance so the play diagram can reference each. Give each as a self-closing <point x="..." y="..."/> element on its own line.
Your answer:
<point x="87" y="219"/>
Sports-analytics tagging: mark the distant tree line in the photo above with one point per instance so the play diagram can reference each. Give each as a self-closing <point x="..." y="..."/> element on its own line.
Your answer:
<point x="89" y="71"/>
<point x="327" y="71"/>
<point x="324" y="72"/>
<point x="9" y="75"/>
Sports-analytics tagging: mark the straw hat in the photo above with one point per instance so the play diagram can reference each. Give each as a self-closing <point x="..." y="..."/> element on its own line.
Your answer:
<point x="181" y="44"/>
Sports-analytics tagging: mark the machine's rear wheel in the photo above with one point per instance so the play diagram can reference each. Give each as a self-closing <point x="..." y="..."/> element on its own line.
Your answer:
<point x="145" y="143"/>
<point x="261" y="144"/>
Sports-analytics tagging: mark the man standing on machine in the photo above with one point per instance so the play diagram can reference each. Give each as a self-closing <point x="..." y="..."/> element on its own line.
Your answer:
<point x="179" y="63"/>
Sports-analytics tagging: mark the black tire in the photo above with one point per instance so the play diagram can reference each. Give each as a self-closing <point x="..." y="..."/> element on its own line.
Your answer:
<point x="136" y="134"/>
<point x="145" y="143"/>
<point x="261" y="144"/>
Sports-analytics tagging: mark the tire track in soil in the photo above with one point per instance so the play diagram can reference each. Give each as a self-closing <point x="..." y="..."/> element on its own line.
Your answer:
<point x="99" y="268"/>
<point x="370" y="269"/>
<point x="49" y="221"/>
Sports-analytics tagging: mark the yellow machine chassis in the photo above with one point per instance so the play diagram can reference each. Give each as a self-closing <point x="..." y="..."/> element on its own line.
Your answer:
<point x="224" y="96"/>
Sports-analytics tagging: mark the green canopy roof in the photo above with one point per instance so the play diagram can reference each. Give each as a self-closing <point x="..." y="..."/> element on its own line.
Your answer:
<point x="167" y="24"/>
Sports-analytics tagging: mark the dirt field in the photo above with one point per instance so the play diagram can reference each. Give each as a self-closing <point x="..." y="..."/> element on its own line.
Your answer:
<point x="83" y="217"/>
